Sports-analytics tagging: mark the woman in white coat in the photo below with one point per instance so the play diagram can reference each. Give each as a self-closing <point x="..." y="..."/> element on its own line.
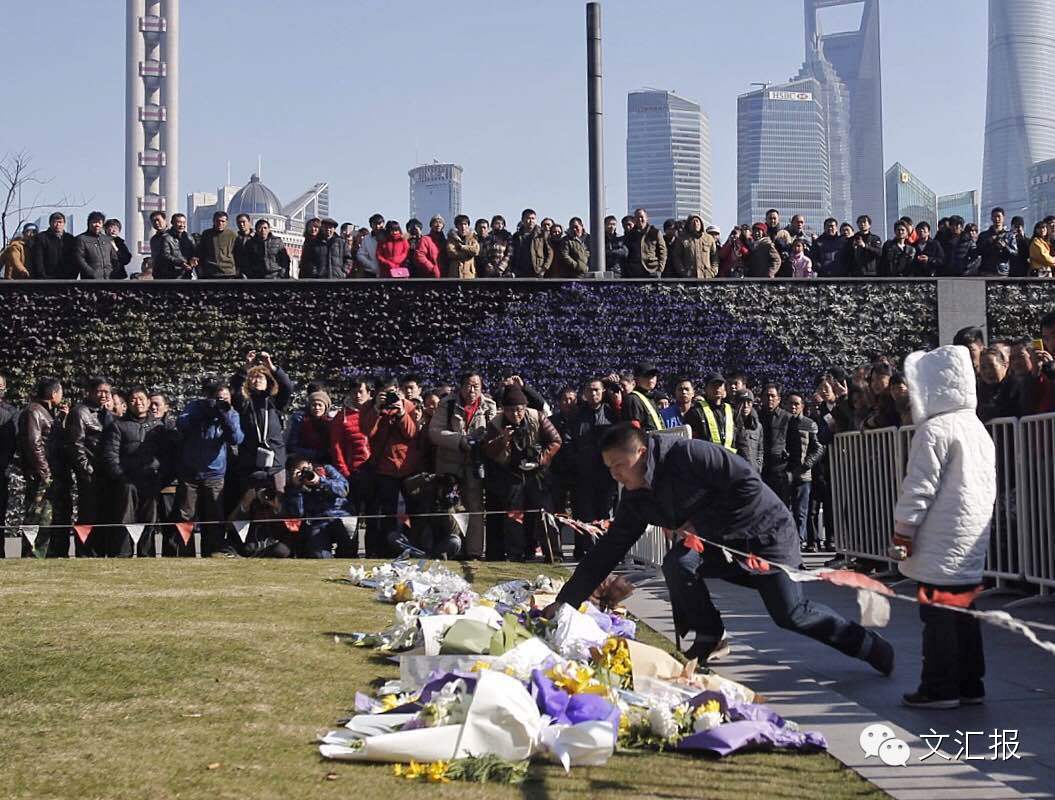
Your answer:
<point x="943" y="519"/>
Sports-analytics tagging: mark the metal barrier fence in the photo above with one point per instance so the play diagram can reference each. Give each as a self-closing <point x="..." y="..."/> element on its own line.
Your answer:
<point x="868" y="468"/>
<point x="1036" y="499"/>
<point x="651" y="548"/>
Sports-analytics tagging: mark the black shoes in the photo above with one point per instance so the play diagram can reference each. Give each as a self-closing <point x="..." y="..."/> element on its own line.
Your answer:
<point x="922" y="700"/>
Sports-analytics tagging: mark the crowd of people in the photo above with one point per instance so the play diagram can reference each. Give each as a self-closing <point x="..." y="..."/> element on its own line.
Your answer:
<point x="634" y="248"/>
<point x="403" y="456"/>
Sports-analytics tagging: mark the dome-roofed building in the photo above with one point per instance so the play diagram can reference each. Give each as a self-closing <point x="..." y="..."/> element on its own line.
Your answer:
<point x="259" y="202"/>
<point x="255" y="199"/>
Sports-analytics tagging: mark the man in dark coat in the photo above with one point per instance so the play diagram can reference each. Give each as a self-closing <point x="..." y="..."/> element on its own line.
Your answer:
<point x="703" y="489"/>
<point x="84" y="434"/>
<point x="864" y="250"/>
<point x="48" y="500"/>
<point x="123" y="256"/>
<point x="52" y="255"/>
<point x="775" y="430"/>
<point x="94" y="252"/>
<point x="595" y="491"/>
<point x="140" y="459"/>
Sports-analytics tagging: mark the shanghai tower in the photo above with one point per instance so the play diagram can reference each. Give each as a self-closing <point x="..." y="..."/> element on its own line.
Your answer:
<point x="1020" y="106"/>
<point x="855" y="57"/>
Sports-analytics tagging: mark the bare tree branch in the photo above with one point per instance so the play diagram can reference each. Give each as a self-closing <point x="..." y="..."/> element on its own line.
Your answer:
<point x="17" y="174"/>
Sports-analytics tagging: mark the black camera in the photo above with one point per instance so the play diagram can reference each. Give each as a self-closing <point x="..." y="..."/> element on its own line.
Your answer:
<point x="305" y="474"/>
<point x="391" y="399"/>
<point x="222" y="406"/>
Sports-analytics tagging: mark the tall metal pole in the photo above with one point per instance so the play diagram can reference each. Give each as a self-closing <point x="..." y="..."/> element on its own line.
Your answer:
<point x="595" y="101"/>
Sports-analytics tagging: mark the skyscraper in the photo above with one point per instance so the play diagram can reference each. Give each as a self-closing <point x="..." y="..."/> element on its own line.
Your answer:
<point x="908" y="196"/>
<point x="668" y="156"/>
<point x="1041" y="190"/>
<point x="151" y="116"/>
<point x="962" y="204"/>
<point x="1020" y="106"/>
<point x="855" y="58"/>
<point x="782" y="153"/>
<point x="436" y="189"/>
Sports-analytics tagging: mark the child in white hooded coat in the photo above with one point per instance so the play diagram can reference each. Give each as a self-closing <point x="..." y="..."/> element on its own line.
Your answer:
<point x="943" y="519"/>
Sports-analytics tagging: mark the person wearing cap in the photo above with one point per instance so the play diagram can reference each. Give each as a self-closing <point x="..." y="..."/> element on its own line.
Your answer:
<point x="508" y="377"/>
<point x="14" y="259"/>
<point x="711" y="418"/>
<point x="764" y="260"/>
<point x="700" y="488"/>
<point x="519" y="445"/>
<point x="638" y="407"/>
<point x="694" y="253"/>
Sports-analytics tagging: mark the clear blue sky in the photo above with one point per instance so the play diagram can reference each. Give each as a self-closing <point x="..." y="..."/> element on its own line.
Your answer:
<point x="357" y="92"/>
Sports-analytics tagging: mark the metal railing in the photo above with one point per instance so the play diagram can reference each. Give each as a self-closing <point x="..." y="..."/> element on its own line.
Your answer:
<point x="867" y="470"/>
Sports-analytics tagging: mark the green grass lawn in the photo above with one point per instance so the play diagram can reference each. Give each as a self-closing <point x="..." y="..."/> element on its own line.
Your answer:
<point x="211" y="679"/>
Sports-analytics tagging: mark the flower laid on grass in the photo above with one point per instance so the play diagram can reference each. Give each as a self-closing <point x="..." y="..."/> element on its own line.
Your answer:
<point x="475" y="769"/>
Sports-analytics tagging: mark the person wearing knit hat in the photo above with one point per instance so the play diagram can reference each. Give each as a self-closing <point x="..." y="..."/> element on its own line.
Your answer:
<point x="309" y="429"/>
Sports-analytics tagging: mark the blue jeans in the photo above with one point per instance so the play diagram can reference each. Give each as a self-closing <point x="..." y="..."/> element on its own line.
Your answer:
<point x="693" y="610"/>
<point x="799" y="505"/>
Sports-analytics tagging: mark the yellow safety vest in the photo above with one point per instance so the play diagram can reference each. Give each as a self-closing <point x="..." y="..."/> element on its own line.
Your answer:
<point x="712" y="425"/>
<point x="653" y="415"/>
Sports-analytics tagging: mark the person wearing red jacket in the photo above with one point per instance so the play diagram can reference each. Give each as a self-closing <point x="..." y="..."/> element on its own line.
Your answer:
<point x="424" y="254"/>
<point x="392" y="253"/>
<point x="350" y="447"/>
<point x="390" y="425"/>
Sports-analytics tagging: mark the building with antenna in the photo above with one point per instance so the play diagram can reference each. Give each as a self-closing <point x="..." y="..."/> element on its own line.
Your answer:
<point x="151" y="116"/>
<point x="436" y="190"/>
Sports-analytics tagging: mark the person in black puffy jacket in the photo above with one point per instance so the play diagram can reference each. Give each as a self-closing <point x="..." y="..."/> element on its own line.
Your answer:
<point x="261" y="394"/>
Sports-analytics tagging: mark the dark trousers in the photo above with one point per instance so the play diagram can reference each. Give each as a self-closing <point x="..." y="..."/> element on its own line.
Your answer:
<point x="201" y="500"/>
<point x="318" y="538"/>
<point x="383" y="534"/>
<point x="685" y="571"/>
<point x="137" y="504"/>
<point x="94" y="506"/>
<point x="799" y="504"/>
<point x="594" y="500"/>
<point x="516" y="537"/>
<point x="821" y="509"/>
<point x="49" y="505"/>
<point x="953" y="659"/>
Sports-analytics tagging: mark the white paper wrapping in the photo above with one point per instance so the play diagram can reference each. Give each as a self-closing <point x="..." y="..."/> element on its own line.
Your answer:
<point x="575" y="634"/>
<point x="422" y="744"/>
<point x="588" y="744"/>
<point x="503" y="719"/>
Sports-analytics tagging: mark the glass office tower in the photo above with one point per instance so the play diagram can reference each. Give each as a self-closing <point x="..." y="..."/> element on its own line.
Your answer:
<point x="1020" y="107"/>
<point x="782" y="153"/>
<point x="668" y="156"/>
<point x="908" y="196"/>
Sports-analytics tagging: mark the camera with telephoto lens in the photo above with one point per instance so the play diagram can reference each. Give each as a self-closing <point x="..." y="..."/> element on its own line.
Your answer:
<point x="306" y="474"/>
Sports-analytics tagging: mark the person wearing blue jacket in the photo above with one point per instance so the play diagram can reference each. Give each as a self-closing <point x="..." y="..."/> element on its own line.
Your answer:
<point x="315" y="493"/>
<point x="705" y="490"/>
<point x="208" y="428"/>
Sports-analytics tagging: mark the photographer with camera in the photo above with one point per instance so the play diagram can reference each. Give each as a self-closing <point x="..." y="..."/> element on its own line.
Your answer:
<point x="390" y="426"/>
<point x="314" y="492"/>
<point x="457" y="428"/>
<point x="261" y="394"/>
<point x="207" y="428"/>
<point x="519" y="445"/>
